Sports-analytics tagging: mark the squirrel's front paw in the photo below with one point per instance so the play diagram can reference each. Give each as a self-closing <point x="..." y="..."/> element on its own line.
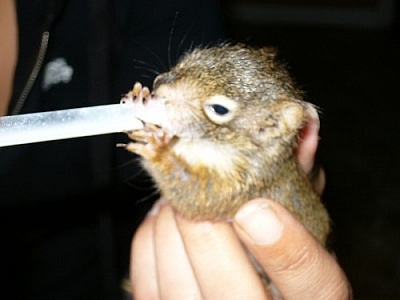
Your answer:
<point x="138" y="93"/>
<point x="149" y="141"/>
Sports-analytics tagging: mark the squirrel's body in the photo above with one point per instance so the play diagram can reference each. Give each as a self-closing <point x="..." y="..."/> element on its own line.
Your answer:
<point x="231" y="126"/>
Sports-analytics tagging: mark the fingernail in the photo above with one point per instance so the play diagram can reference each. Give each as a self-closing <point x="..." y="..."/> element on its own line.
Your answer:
<point x="260" y="223"/>
<point x="155" y="210"/>
<point x="313" y="115"/>
<point x="314" y="125"/>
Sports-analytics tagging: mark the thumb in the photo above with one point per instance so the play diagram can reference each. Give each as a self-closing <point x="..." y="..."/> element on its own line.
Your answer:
<point x="296" y="263"/>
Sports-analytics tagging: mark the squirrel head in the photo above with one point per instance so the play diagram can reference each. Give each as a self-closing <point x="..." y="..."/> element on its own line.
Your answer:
<point x="233" y="94"/>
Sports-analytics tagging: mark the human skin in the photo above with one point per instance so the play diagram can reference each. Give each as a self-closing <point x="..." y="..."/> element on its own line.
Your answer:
<point x="8" y="51"/>
<point x="175" y="258"/>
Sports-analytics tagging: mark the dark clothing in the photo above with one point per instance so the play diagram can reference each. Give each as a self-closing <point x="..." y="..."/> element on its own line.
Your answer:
<point x="57" y="196"/>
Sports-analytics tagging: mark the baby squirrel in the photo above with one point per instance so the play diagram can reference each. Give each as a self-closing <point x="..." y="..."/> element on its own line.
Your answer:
<point x="228" y="134"/>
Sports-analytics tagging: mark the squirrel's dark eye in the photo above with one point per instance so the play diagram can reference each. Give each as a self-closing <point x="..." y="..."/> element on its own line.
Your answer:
<point x="219" y="109"/>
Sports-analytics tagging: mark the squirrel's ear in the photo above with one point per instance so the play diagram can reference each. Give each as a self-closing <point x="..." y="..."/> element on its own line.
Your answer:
<point x="270" y="51"/>
<point x="289" y="118"/>
<point x="292" y="117"/>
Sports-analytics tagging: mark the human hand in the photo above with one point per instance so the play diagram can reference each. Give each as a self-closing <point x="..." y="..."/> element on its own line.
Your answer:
<point x="306" y="150"/>
<point x="175" y="258"/>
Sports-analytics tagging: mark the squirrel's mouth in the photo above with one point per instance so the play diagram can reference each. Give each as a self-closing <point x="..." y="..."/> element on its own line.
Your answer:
<point x="147" y="107"/>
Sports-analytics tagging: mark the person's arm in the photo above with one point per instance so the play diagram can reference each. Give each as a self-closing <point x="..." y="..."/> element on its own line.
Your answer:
<point x="175" y="258"/>
<point x="8" y="51"/>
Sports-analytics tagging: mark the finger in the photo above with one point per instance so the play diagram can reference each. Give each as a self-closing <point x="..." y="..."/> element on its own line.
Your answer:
<point x="306" y="151"/>
<point x="308" y="143"/>
<point x="143" y="272"/>
<point x="220" y="263"/>
<point x="174" y="273"/>
<point x="296" y="263"/>
<point x="318" y="178"/>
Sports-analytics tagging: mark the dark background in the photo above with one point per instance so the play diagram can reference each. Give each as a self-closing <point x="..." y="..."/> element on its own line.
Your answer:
<point x="346" y="56"/>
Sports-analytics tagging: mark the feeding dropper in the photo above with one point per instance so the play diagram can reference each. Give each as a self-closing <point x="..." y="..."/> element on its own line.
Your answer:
<point x="75" y="122"/>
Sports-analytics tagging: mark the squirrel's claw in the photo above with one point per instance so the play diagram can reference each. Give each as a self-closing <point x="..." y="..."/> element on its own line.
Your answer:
<point x="138" y="93"/>
<point x="149" y="141"/>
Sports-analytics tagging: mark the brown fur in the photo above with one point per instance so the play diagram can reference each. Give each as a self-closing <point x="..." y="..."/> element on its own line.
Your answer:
<point x="206" y="164"/>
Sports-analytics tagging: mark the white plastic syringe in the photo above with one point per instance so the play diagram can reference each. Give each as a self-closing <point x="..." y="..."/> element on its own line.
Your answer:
<point x="69" y="123"/>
